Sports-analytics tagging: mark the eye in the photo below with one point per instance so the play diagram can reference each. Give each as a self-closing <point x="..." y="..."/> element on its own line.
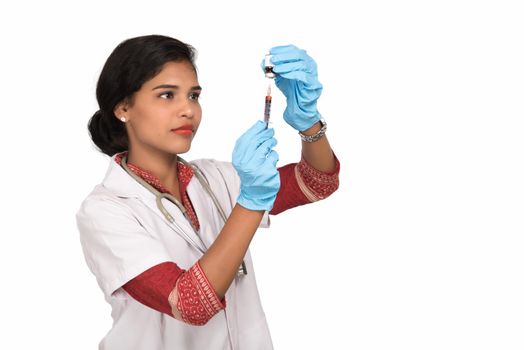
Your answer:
<point x="168" y="94"/>
<point x="194" y="96"/>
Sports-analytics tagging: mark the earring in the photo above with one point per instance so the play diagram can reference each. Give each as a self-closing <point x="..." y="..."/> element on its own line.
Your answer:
<point x="123" y="119"/>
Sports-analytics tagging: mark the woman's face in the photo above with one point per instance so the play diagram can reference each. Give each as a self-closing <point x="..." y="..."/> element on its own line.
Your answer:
<point x="165" y="112"/>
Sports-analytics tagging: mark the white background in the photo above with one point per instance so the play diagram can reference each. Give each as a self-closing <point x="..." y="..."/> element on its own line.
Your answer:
<point x="421" y="247"/>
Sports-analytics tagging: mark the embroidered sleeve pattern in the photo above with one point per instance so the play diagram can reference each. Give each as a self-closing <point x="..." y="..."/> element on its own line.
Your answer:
<point x="315" y="184"/>
<point x="193" y="300"/>
<point x="302" y="184"/>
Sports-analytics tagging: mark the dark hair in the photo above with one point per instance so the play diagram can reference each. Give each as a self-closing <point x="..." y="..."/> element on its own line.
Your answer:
<point x="132" y="63"/>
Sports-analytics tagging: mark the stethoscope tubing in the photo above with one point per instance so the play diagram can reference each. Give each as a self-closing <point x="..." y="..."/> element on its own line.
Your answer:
<point x="159" y="196"/>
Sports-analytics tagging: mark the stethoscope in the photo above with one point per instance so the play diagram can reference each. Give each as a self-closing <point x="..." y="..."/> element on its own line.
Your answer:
<point x="200" y="246"/>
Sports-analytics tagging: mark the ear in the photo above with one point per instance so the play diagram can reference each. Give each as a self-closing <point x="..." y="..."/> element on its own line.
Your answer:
<point x="121" y="109"/>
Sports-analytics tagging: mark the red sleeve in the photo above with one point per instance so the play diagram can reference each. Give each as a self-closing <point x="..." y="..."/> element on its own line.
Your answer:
<point x="185" y="295"/>
<point x="289" y="195"/>
<point x="153" y="286"/>
<point x="301" y="184"/>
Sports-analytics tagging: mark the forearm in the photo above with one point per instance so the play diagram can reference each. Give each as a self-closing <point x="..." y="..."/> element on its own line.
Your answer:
<point x="196" y="295"/>
<point x="221" y="261"/>
<point x="319" y="153"/>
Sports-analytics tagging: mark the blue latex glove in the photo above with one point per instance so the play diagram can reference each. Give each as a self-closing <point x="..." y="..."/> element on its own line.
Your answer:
<point x="255" y="162"/>
<point x="296" y="77"/>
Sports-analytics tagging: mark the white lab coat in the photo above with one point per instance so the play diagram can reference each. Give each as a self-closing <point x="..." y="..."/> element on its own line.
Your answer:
<point x="123" y="233"/>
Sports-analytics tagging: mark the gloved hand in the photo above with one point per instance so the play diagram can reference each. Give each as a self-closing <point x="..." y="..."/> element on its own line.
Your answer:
<point x="296" y="77"/>
<point x="255" y="162"/>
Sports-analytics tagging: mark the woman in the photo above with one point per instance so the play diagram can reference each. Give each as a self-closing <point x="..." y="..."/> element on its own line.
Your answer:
<point x="188" y="283"/>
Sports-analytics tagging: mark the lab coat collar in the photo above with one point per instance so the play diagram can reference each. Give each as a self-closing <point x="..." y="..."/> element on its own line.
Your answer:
<point x="118" y="181"/>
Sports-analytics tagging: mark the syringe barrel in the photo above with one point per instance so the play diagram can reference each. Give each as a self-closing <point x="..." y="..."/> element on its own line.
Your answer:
<point x="267" y="109"/>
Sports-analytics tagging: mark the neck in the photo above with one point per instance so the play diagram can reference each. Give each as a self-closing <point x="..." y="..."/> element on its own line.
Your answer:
<point x="162" y="165"/>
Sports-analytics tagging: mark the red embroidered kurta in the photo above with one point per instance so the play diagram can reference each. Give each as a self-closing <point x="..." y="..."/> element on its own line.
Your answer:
<point x="187" y="295"/>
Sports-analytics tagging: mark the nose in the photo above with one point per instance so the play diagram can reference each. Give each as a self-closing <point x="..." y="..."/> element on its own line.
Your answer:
<point x="186" y="109"/>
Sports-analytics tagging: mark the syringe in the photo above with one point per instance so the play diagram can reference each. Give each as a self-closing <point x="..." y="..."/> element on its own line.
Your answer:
<point x="268" y="72"/>
<point x="267" y="106"/>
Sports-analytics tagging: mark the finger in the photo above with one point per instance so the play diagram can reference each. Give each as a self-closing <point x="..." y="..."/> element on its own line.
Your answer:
<point x="291" y="66"/>
<point x="292" y="56"/>
<point x="282" y="49"/>
<point x="252" y="145"/>
<point x="259" y="156"/>
<point x="272" y="157"/>
<point x="263" y="135"/>
<point x="265" y="147"/>
<point x="244" y="141"/>
<point x="304" y="77"/>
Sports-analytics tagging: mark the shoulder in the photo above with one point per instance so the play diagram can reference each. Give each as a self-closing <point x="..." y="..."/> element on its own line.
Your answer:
<point x="208" y="163"/>
<point x="222" y="178"/>
<point x="102" y="204"/>
<point x="216" y="168"/>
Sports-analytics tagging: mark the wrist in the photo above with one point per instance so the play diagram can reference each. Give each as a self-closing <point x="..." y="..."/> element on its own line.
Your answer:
<point x="314" y="133"/>
<point x="254" y="204"/>
<point x="300" y="119"/>
<point x="246" y="212"/>
<point x="313" y="129"/>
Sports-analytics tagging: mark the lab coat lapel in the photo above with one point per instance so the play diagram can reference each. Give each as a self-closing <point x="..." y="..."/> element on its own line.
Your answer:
<point x="118" y="181"/>
<point x="180" y="219"/>
<point x="204" y="208"/>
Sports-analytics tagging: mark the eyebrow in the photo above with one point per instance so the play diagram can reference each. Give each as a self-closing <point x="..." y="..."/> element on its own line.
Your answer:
<point x="168" y="86"/>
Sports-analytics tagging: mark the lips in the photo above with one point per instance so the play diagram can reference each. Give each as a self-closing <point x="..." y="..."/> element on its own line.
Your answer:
<point x="184" y="127"/>
<point x="184" y="130"/>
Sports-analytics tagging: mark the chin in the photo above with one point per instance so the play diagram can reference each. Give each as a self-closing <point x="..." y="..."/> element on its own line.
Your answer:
<point x="182" y="150"/>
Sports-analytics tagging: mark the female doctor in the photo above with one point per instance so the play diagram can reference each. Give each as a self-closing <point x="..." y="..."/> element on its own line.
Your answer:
<point x="168" y="240"/>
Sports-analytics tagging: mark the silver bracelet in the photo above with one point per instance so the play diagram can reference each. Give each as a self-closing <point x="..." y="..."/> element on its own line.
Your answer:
<point x="318" y="135"/>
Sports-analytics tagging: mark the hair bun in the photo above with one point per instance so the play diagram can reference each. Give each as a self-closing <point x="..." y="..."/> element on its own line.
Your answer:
<point x="107" y="133"/>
